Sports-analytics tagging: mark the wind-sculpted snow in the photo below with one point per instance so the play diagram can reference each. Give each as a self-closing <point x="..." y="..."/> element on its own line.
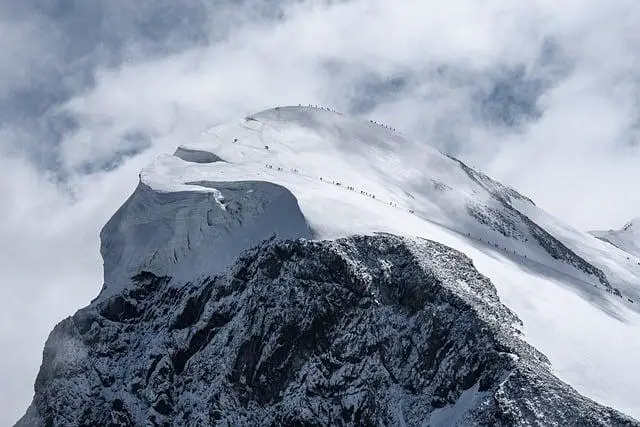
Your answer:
<point x="191" y="232"/>
<point x="369" y="330"/>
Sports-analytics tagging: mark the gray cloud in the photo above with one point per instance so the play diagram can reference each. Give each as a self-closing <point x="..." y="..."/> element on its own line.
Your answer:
<point x="541" y="94"/>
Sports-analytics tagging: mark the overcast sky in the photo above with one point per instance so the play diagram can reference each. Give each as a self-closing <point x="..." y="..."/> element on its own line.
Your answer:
<point x="542" y="95"/>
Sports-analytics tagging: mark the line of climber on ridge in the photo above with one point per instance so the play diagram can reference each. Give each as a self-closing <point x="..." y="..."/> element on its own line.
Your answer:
<point x="613" y="291"/>
<point x="320" y="107"/>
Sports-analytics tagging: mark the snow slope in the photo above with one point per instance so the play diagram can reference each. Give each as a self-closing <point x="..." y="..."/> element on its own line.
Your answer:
<point x="626" y="239"/>
<point x="319" y="174"/>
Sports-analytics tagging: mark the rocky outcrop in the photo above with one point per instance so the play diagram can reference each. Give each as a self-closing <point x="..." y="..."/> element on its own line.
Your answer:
<point x="369" y="330"/>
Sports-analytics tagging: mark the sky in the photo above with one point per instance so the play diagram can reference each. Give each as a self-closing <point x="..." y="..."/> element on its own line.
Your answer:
<point x="542" y="95"/>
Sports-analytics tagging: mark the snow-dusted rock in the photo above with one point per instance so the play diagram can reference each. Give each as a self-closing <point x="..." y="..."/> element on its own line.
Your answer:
<point x="372" y="330"/>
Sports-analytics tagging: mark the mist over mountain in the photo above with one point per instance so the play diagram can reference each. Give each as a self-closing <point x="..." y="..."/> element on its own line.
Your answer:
<point x="539" y="96"/>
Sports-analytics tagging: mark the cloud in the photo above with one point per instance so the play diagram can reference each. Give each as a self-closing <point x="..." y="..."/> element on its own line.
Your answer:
<point x="543" y="95"/>
<point x="487" y="83"/>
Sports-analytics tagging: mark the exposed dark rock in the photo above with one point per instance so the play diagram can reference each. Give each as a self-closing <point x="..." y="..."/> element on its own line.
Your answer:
<point x="360" y="331"/>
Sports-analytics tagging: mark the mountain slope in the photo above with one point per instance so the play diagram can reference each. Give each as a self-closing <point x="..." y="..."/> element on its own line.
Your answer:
<point x="307" y="145"/>
<point x="299" y="172"/>
<point x="627" y="238"/>
<point x="360" y="331"/>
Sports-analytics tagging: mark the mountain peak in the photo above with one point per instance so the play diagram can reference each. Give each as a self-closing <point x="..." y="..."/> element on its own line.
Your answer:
<point x="211" y="218"/>
<point x="626" y="239"/>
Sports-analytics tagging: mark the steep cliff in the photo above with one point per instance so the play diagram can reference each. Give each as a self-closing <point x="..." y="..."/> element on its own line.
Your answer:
<point x="368" y="330"/>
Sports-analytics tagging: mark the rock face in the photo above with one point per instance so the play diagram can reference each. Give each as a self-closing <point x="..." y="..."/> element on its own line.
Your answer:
<point x="366" y="330"/>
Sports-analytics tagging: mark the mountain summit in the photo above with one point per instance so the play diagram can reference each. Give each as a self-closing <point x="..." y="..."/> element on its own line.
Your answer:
<point x="301" y="267"/>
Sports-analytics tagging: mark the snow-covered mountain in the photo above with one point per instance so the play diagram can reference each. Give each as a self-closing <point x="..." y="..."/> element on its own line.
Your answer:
<point x="331" y="331"/>
<point x="627" y="238"/>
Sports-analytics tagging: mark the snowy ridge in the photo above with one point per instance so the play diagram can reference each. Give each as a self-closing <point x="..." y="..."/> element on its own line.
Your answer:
<point x="302" y="172"/>
<point x="375" y="161"/>
<point x="626" y="239"/>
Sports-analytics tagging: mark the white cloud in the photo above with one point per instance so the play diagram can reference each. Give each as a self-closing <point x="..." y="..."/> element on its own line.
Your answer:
<point x="592" y="108"/>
